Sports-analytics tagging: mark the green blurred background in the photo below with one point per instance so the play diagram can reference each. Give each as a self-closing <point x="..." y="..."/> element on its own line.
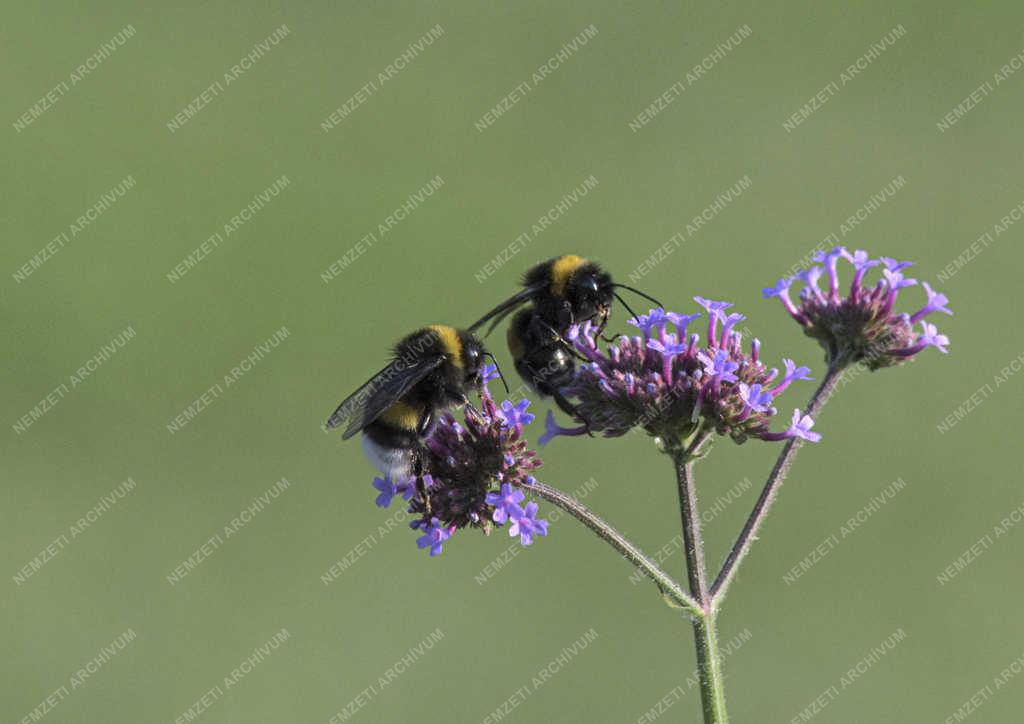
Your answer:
<point x="804" y="183"/>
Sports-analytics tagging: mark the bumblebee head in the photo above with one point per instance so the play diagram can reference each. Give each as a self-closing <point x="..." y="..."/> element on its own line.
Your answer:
<point x="590" y="293"/>
<point x="472" y="355"/>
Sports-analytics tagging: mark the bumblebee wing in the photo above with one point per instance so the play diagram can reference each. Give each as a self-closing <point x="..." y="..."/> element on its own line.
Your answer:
<point x="351" y="403"/>
<point x="379" y="392"/>
<point x="391" y="389"/>
<point x="505" y="308"/>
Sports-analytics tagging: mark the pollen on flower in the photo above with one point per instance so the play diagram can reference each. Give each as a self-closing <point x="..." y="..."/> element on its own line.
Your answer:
<point x="671" y="385"/>
<point x="862" y="326"/>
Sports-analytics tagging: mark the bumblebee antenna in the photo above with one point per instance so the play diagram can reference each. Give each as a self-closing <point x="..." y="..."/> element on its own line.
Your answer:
<point x="498" y="370"/>
<point x="623" y="303"/>
<point x="648" y="297"/>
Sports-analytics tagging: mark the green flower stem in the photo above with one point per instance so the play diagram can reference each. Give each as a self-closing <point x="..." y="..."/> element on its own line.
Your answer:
<point x="693" y="543"/>
<point x="619" y="542"/>
<point x="709" y="669"/>
<point x="771" y="489"/>
<point x="709" y="657"/>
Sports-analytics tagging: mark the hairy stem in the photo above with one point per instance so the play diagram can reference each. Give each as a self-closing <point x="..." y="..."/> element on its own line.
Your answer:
<point x="619" y="542"/>
<point x="709" y="669"/>
<point x="709" y="657"/>
<point x="693" y="543"/>
<point x="771" y="489"/>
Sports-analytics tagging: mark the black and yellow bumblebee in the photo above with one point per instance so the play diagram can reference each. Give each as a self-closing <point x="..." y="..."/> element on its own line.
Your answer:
<point x="559" y="293"/>
<point x="433" y="369"/>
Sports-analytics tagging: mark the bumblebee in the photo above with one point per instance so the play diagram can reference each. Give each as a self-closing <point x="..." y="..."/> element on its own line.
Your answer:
<point x="556" y="294"/>
<point x="433" y="369"/>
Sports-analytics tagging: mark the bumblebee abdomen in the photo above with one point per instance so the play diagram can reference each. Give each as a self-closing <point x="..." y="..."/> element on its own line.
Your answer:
<point x="394" y="433"/>
<point x="546" y="369"/>
<point x="402" y="415"/>
<point x="540" y="356"/>
<point x="390" y="452"/>
<point x="517" y="335"/>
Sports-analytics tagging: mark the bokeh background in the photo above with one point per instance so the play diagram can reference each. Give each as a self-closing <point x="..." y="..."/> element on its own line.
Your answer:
<point x="498" y="629"/>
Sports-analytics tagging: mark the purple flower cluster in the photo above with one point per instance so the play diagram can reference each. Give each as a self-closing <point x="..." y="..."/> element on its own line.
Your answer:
<point x="862" y="326"/>
<point x="671" y="385"/>
<point x="474" y="473"/>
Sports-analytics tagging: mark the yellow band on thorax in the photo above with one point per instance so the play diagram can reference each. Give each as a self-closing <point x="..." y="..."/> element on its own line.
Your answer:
<point x="563" y="268"/>
<point x="450" y="342"/>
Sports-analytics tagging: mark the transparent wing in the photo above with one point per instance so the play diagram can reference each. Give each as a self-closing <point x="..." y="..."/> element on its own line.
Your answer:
<point x="347" y="406"/>
<point x="389" y="392"/>
<point x="504" y="309"/>
<point x="379" y="392"/>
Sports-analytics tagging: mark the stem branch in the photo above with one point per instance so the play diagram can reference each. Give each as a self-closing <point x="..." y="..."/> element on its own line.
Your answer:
<point x="771" y="489"/>
<point x="619" y="542"/>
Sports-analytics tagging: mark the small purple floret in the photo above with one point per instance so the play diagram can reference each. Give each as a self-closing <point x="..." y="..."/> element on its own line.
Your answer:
<point x="801" y="427"/>
<point x="671" y="349"/>
<point x="893" y="265"/>
<point x="829" y="259"/>
<point x="758" y="400"/>
<point x="647" y="322"/>
<point x="526" y="524"/>
<point x="506" y="503"/>
<point x="931" y="337"/>
<point x="713" y="308"/>
<point x="781" y="287"/>
<point x="552" y="430"/>
<point x="681" y="321"/>
<point x="488" y="373"/>
<point x="434" y="534"/>
<point x="387" y="491"/>
<point x="514" y="415"/>
<point x="936" y="303"/>
<point x="720" y="365"/>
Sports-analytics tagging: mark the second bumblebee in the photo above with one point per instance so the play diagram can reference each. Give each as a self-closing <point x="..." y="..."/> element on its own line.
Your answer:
<point x="557" y="294"/>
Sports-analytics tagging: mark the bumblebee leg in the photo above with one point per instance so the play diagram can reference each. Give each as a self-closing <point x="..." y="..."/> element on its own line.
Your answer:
<point x="417" y="471"/>
<point x="423" y="426"/>
<point x="569" y="409"/>
<point x="571" y="349"/>
<point x="422" y="429"/>
<point x="421" y="490"/>
<point x="553" y="334"/>
<point x="567" y="311"/>
<point x="470" y="407"/>
<point x="565" y="316"/>
<point x="417" y="464"/>
<point x="600" y="330"/>
<point x="558" y="338"/>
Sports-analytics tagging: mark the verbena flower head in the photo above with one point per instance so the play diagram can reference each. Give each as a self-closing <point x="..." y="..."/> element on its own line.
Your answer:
<point x="862" y="326"/>
<point x="474" y="473"/>
<point x="672" y="384"/>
